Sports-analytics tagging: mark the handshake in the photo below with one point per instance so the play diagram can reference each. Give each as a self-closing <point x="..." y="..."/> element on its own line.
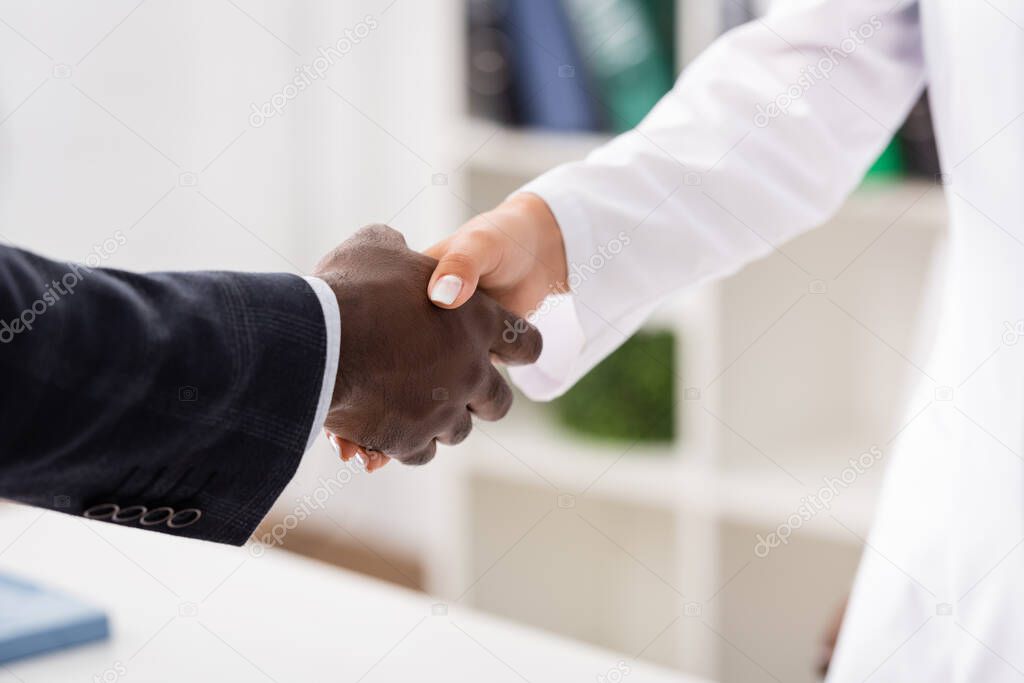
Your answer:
<point x="410" y="373"/>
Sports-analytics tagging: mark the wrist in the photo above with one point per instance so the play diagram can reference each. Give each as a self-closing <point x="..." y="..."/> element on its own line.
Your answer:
<point x="533" y="212"/>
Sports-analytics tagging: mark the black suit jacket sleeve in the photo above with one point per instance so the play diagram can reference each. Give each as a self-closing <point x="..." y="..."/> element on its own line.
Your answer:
<point x="189" y="396"/>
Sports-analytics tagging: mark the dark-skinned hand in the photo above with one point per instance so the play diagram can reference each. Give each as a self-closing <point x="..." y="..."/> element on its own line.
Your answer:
<point x="411" y="374"/>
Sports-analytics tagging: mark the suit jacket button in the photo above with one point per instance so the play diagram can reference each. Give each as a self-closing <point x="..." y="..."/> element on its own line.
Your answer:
<point x="156" y="516"/>
<point x="188" y="517"/>
<point x="128" y="514"/>
<point x="102" y="511"/>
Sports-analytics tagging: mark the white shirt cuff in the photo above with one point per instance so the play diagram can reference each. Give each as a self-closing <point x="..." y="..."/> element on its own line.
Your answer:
<point x="332" y="326"/>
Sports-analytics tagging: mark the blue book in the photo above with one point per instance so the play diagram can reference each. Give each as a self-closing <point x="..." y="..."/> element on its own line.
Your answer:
<point x="34" y="620"/>
<point x="550" y="83"/>
<point x="629" y="63"/>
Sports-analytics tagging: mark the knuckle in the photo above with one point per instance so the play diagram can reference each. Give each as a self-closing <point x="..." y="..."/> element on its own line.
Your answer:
<point x="523" y="341"/>
<point x="482" y="237"/>
<point x="468" y="379"/>
<point x="422" y="456"/>
<point x="534" y="344"/>
<point x="499" y="399"/>
<point x="378" y="232"/>
<point x="373" y="230"/>
<point x="460" y="432"/>
<point x="460" y="261"/>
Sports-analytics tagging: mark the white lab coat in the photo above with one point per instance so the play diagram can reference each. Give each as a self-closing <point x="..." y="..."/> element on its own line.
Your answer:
<point x="950" y="527"/>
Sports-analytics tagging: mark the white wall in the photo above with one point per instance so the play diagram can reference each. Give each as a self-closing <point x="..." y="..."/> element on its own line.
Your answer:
<point x="105" y="105"/>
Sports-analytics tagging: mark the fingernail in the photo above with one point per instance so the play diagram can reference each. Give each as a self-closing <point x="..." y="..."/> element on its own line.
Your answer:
<point x="334" y="444"/>
<point x="361" y="458"/>
<point x="446" y="290"/>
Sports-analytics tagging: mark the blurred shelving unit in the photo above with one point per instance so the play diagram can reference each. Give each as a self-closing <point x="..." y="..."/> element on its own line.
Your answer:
<point x="664" y="531"/>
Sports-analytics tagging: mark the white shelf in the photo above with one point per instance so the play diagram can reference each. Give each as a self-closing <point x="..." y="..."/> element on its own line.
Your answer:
<point x="526" y="153"/>
<point x="767" y="499"/>
<point x="886" y="199"/>
<point x="529" y="450"/>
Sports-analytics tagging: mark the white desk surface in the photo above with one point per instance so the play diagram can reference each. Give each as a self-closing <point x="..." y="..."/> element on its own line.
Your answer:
<point x="192" y="611"/>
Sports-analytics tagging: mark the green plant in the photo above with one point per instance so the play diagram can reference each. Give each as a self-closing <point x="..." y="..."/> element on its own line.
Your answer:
<point x="629" y="396"/>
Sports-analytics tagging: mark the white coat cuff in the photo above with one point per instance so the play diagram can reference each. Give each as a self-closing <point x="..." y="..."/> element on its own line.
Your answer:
<point x="332" y="327"/>
<point x="559" y="365"/>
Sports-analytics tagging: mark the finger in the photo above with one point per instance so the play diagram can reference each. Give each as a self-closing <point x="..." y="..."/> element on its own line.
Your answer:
<point x="422" y="456"/>
<point x="344" y="449"/>
<point x="375" y="460"/>
<point x="348" y="450"/>
<point x="465" y="257"/>
<point x="458" y="432"/>
<point x="332" y="440"/>
<point x="517" y="342"/>
<point x="494" y="399"/>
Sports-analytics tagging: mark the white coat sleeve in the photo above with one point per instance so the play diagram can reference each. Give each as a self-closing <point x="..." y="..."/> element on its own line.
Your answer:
<point x="761" y="139"/>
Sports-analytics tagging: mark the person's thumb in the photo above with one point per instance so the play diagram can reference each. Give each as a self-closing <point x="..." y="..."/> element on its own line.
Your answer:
<point x="462" y="260"/>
